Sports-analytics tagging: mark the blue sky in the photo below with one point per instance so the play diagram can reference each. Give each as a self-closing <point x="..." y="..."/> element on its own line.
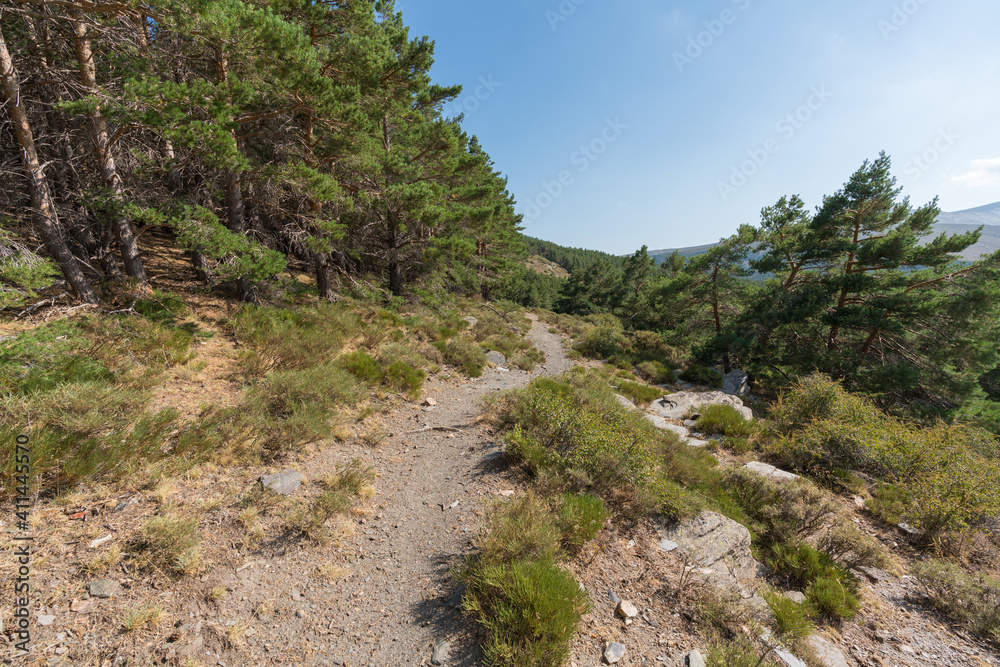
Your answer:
<point x="670" y="123"/>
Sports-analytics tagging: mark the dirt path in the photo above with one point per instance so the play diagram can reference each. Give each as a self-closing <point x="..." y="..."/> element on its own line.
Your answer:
<point x="399" y="598"/>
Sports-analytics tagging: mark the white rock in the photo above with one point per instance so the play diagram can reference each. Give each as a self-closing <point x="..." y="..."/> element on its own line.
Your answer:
<point x="626" y="609"/>
<point x="684" y="403"/>
<point x="769" y="471"/>
<point x="625" y="403"/>
<point x="827" y="653"/>
<point x="695" y="659"/>
<point x="735" y="383"/>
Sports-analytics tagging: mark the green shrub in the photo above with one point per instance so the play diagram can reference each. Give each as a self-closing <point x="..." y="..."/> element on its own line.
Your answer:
<point x="405" y="378"/>
<point x="464" y="354"/>
<point x="969" y="600"/>
<point x="791" y="620"/>
<point x="737" y="652"/>
<point x="654" y="372"/>
<point x="529" y="609"/>
<point x="950" y="472"/>
<point x="580" y="518"/>
<point x="640" y="394"/>
<point x="831" y="597"/>
<point x="521" y="529"/>
<point x="603" y="340"/>
<point x="726" y="420"/>
<point x="702" y="375"/>
<point x="361" y="365"/>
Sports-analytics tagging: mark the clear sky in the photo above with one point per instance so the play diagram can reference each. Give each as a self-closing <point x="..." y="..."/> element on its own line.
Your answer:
<point x="671" y="122"/>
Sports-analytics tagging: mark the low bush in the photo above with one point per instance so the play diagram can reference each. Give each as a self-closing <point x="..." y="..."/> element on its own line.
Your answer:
<point x="654" y="372"/>
<point x="577" y="435"/>
<point x="791" y="619"/>
<point x="464" y="354"/>
<point x="945" y="476"/>
<point x="528" y="605"/>
<point x="971" y="601"/>
<point x="640" y="394"/>
<point x="726" y="420"/>
<point x="702" y="375"/>
<point x="830" y="590"/>
<point x="529" y="609"/>
<point x="605" y="338"/>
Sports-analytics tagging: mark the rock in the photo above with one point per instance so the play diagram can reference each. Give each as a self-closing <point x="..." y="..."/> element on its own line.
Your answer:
<point x="796" y="596"/>
<point x="624" y="402"/>
<point x="430" y="402"/>
<point x="442" y="649"/>
<point x="769" y="471"/>
<point x="826" y="652"/>
<point x="788" y="659"/>
<point x="875" y="575"/>
<point x="694" y="442"/>
<point x="614" y="597"/>
<point x="104" y="588"/>
<point x="300" y="614"/>
<point x="690" y="423"/>
<point x="626" y="609"/>
<point x="614" y="652"/>
<point x="735" y="383"/>
<point x="46" y="619"/>
<point x="668" y="546"/>
<point x="195" y="648"/>
<point x="664" y="425"/>
<point x="496" y="358"/>
<point x="908" y="529"/>
<point x="284" y="482"/>
<point x="98" y="542"/>
<point x="695" y="659"/>
<point x="717" y="544"/>
<point x="684" y="403"/>
<point x="471" y="320"/>
<point x="80" y="606"/>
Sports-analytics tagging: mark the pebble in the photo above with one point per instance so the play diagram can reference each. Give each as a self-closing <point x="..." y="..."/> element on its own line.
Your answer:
<point x="104" y="588"/>
<point x="614" y="652"/>
<point x="626" y="609"/>
<point x="300" y="614"/>
<point x="46" y="619"/>
<point x="284" y="482"/>
<point x="614" y="597"/>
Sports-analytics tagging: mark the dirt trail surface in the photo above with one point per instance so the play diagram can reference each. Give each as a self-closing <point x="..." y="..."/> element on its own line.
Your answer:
<point x="436" y="471"/>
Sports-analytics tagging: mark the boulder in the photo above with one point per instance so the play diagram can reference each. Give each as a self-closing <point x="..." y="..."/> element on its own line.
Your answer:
<point x="684" y="403"/>
<point x="735" y="383"/>
<point x="496" y="358"/>
<point x="471" y="320"/>
<point x="718" y="545"/>
<point x="769" y="471"/>
<point x="826" y="652"/>
<point x="625" y="403"/>
<point x="664" y="425"/>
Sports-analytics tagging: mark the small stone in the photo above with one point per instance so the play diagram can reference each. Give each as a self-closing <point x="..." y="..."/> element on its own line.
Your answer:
<point x="626" y="609"/>
<point x="695" y="659"/>
<point x="614" y="597"/>
<point x="624" y="402"/>
<point x="614" y="652"/>
<point x="46" y="619"/>
<point x="296" y="595"/>
<point x="796" y="596"/>
<point x="908" y="529"/>
<point x="442" y="649"/>
<point x="690" y="423"/>
<point x="80" y="606"/>
<point x="667" y="545"/>
<point x="471" y="320"/>
<point x="62" y="650"/>
<point x="300" y="614"/>
<point x="430" y="402"/>
<point x="104" y="588"/>
<point x="98" y="542"/>
<point x="826" y="652"/>
<point x="907" y="649"/>
<point x="284" y="482"/>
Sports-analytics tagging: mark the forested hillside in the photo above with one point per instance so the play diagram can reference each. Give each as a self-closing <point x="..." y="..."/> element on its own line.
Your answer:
<point x="863" y="288"/>
<point x="260" y="135"/>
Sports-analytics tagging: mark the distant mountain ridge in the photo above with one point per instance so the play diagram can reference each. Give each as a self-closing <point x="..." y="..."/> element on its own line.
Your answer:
<point x="959" y="222"/>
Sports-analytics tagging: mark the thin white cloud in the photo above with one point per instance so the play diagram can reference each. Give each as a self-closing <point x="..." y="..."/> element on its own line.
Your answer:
<point x="986" y="174"/>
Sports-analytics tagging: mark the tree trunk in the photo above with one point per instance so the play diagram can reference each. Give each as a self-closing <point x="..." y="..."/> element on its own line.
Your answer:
<point x="323" y="282"/>
<point x="726" y="363"/>
<point x="106" y="161"/>
<point x="41" y="198"/>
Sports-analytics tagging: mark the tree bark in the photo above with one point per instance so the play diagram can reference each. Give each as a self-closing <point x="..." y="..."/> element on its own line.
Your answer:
<point x="102" y="147"/>
<point x="43" y="209"/>
<point x="323" y="281"/>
